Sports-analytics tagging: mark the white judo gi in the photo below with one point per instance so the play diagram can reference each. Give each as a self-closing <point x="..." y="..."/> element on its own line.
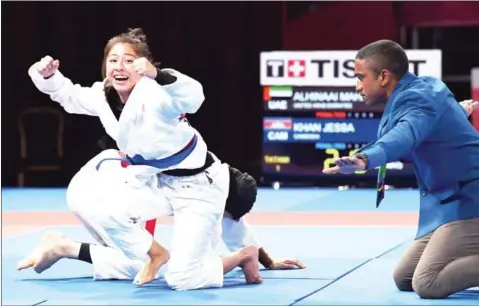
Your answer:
<point x="114" y="201"/>
<point x="109" y="262"/>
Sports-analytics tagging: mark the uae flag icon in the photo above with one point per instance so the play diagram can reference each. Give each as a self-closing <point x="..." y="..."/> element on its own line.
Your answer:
<point x="274" y="92"/>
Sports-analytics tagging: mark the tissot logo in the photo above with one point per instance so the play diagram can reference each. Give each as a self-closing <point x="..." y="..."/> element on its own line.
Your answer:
<point x="332" y="68"/>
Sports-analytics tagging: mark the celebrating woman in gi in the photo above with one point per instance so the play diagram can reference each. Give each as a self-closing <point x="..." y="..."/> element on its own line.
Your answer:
<point x="163" y="167"/>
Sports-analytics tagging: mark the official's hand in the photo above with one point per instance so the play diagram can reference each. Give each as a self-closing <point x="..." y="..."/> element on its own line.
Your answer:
<point x="286" y="264"/>
<point x="143" y="67"/>
<point x="346" y="165"/>
<point x="47" y="66"/>
<point x="469" y="106"/>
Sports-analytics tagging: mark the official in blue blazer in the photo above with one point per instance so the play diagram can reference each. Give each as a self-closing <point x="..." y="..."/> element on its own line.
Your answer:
<point x="424" y="123"/>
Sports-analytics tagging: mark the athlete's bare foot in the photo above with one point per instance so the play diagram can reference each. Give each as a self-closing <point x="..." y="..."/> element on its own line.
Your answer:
<point x="52" y="247"/>
<point x="250" y="265"/>
<point x="158" y="257"/>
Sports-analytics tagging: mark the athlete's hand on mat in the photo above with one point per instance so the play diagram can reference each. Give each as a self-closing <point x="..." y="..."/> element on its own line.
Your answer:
<point x="469" y="106"/>
<point x="346" y="165"/>
<point x="286" y="264"/>
<point x="143" y="67"/>
<point x="47" y="66"/>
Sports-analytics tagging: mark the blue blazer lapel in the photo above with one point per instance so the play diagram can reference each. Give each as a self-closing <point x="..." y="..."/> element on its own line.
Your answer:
<point x="384" y="119"/>
<point x="406" y="79"/>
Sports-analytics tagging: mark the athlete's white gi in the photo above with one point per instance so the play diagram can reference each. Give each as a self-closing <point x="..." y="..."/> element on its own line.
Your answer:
<point x="114" y="201"/>
<point x="111" y="263"/>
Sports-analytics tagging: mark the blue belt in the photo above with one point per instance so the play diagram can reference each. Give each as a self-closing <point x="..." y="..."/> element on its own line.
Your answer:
<point x="158" y="163"/>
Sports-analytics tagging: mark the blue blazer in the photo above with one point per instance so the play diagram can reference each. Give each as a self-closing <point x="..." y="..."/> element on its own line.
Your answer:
<point x="422" y="122"/>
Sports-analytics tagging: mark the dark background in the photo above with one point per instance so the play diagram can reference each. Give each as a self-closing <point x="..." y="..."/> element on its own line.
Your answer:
<point x="217" y="43"/>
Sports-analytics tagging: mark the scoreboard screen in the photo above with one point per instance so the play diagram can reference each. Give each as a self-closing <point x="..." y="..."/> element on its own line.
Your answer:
<point x="304" y="99"/>
<point x="304" y="146"/>
<point x="313" y="114"/>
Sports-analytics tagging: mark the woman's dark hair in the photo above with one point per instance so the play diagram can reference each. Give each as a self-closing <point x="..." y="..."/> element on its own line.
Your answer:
<point x="138" y="41"/>
<point x="134" y="37"/>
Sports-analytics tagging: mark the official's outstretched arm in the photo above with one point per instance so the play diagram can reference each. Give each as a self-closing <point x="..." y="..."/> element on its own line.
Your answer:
<point x="416" y="116"/>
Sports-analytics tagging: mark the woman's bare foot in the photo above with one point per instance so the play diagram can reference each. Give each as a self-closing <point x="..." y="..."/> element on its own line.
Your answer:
<point x="52" y="247"/>
<point x="158" y="257"/>
<point x="250" y="265"/>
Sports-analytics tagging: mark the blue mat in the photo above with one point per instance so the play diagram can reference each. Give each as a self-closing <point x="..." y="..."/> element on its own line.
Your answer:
<point x="235" y="292"/>
<point x="33" y="199"/>
<point x="286" y="199"/>
<point x="320" y="269"/>
<point x="372" y="284"/>
<point x="69" y="282"/>
<point x="57" y="288"/>
<point x="361" y="200"/>
<point x="333" y="242"/>
<point x="399" y="252"/>
<point x="342" y="262"/>
<point x="298" y="241"/>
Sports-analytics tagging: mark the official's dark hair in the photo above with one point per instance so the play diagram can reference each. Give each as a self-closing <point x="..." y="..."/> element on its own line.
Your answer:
<point x="386" y="54"/>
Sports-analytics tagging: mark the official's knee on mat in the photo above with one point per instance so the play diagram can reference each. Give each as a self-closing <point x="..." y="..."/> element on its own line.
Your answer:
<point x="427" y="288"/>
<point x="403" y="283"/>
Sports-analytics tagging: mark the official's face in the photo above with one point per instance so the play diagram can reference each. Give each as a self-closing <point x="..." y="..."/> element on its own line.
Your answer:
<point x="369" y="83"/>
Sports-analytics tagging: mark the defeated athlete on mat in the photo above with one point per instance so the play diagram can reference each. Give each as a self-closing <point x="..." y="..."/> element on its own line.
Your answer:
<point x="112" y="264"/>
<point x="166" y="167"/>
<point x="422" y="122"/>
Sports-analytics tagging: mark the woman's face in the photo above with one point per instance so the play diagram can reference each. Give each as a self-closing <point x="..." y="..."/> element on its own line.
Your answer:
<point x="119" y="68"/>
